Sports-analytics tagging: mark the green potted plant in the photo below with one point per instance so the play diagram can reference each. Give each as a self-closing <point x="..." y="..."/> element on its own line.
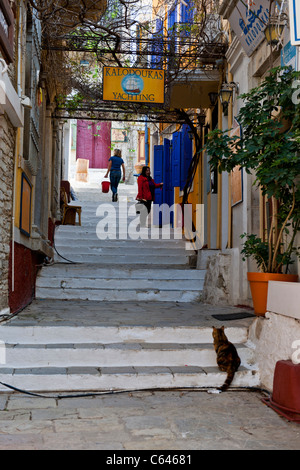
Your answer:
<point x="269" y="148"/>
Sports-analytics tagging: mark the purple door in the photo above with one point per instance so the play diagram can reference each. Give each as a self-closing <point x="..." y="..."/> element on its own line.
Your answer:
<point x="94" y="142"/>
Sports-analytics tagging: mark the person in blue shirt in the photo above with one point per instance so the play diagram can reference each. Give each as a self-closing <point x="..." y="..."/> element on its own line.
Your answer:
<point x="114" y="170"/>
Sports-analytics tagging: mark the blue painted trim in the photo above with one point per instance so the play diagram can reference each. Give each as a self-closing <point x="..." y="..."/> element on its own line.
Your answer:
<point x="297" y="33"/>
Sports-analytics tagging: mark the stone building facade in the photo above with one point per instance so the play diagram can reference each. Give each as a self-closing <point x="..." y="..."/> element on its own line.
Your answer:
<point x="7" y="146"/>
<point x="239" y="205"/>
<point x="250" y="57"/>
<point x="11" y="118"/>
<point x="31" y="143"/>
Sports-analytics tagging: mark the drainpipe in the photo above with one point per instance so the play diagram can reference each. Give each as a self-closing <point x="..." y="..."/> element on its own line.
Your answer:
<point x="16" y="158"/>
<point x="146" y="142"/>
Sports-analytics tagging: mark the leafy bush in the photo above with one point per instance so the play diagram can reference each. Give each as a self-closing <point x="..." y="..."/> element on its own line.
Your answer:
<point x="269" y="147"/>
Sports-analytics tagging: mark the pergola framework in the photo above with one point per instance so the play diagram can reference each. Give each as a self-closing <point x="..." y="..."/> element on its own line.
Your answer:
<point x="128" y="39"/>
<point x="204" y="56"/>
<point x="181" y="51"/>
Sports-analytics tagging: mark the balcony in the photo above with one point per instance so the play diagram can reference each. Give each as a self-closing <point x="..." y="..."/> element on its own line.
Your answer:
<point x="192" y="55"/>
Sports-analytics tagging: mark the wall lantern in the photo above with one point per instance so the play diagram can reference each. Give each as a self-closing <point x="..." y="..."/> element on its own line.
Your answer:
<point x="201" y="119"/>
<point x="273" y="32"/>
<point x="225" y="95"/>
<point x="213" y="96"/>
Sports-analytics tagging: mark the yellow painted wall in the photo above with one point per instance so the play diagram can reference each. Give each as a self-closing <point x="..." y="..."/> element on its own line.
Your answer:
<point x="18" y="198"/>
<point x="19" y="136"/>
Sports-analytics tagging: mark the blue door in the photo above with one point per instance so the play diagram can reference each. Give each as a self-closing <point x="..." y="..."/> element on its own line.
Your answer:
<point x="163" y="174"/>
<point x="158" y="178"/>
<point x="171" y="165"/>
<point x="176" y="157"/>
<point x="168" y="189"/>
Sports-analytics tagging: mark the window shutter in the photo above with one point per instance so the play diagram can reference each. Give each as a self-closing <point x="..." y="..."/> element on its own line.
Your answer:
<point x="176" y="151"/>
<point x="186" y="155"/>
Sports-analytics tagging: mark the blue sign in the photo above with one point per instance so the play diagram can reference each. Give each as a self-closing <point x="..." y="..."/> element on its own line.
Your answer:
<point x="289" y="56"/>
<point x="295" y="22"/>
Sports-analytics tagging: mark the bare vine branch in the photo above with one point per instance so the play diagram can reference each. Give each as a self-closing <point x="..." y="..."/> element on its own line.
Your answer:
<point x="126" y="33"/>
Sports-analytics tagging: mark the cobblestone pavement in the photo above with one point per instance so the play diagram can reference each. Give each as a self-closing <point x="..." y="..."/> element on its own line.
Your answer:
<point x="136" y="421"/>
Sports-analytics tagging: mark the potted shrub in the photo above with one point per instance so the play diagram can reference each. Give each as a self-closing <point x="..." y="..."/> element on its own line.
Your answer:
<point x="269" y="147"/>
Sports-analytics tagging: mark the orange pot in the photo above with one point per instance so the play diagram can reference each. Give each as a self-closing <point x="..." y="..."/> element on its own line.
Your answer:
<point x="259" y="288"/>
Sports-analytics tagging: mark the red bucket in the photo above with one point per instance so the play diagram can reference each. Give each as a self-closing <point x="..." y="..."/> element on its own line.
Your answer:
<point x="105" y="186"/>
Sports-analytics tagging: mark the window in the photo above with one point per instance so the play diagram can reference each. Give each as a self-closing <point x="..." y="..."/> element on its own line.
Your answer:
<point x="6" y="30"/>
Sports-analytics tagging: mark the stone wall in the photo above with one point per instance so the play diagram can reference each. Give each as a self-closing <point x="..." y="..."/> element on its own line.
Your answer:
<point x="217" y="285"/>
<point x="226" y="278"/>
<point x="7" y="145"/>
<point x="274" y="337"/>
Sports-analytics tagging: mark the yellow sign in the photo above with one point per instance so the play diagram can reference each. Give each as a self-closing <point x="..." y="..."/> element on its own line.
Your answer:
<point x="133" y="85"/>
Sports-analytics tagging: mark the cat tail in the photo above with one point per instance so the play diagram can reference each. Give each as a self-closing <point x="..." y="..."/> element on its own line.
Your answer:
<point x="229" y="379"/>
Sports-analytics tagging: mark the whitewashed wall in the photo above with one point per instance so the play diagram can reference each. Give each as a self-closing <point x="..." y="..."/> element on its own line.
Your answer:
<point x="277" y="335"/>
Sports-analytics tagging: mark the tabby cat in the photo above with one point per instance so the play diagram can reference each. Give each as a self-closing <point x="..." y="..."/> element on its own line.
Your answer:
<point x="227" y="356"/>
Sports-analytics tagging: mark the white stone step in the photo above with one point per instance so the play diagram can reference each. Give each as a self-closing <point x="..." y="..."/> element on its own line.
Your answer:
<point x="120" y="235"/>
<point x="96" y="283"/>
<point x="92" y="242"/>
<point x="35" y="334"/>
<point x="120" y="232"/>
<point x="87" y="227"/>
<point x="89" y="379"/>
<point x="129" y="246"/>
<point x="118" y="355"/>
<point x="123" y="239"/>
<point x="91" y="239"/>
<point x="123" y="259"/>
<point x="102" y="215"/>
<point x="119" y="250"/>
<point x="70" y="282"/>
<point x="66" y="270"/>
<point x="155" y="295"/>
<point x="88" y="222"/>
<point x="115" y="284"/>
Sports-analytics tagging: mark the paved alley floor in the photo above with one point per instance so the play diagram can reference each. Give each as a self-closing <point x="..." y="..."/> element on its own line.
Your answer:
<point x="174" y="420"/>
<point x="139" y="421"/>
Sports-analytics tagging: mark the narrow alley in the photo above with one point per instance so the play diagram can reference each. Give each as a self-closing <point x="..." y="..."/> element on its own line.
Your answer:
<point x="119" y="314"/>
<point x="181" y="332"/>
<point x="127" y="373"/>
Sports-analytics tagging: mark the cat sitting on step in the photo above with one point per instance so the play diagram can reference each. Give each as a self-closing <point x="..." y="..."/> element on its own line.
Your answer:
<point x="227" y="356"/>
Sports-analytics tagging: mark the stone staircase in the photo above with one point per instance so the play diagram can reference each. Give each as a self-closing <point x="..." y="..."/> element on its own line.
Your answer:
<point x="99" y="358"/>
<point x="118" y="314"/>
<point x="119" y="268"/>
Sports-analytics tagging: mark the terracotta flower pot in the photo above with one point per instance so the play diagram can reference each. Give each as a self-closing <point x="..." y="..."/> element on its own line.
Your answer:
<point x="259" y="288"/>
<point x="285" y="399"/>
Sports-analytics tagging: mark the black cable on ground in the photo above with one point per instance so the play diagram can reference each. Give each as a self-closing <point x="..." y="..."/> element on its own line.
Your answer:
<point x="115" y="392"/>
<point x="68" y="260"/>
